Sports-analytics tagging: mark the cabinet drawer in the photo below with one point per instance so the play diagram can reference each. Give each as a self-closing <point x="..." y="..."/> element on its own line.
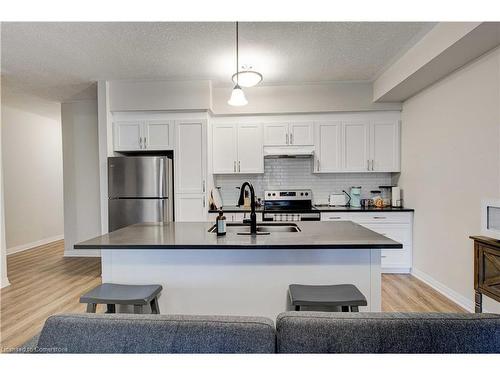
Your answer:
<point x="382" y="217"/>
<point x="397" y="232"/>
<point x="396" y="258"/>
<point x="336" y="216"/>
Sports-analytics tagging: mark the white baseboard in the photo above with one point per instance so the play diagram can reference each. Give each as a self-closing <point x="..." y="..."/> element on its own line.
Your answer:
<point x="45" y="241"/>
<point x="83" y="253"/>
<point x="5" y="282"/>
<point x="449" y="293"/>
<point x="396" y="270"/>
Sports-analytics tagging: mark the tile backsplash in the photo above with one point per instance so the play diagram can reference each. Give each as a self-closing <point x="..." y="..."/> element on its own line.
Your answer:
<point x="280" y="174"/>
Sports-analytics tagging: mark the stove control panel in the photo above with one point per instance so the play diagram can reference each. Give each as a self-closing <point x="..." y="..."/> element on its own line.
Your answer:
<point x="287" y="195"/>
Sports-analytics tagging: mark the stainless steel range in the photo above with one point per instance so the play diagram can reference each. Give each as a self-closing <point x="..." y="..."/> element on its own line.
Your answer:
<point x="289" y="205"/>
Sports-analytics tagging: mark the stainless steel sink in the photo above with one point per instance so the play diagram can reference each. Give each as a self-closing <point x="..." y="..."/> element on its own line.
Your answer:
<point x="262" y="228"/>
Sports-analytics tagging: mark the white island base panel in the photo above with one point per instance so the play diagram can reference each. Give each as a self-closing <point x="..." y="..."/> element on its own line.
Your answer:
<point x="241" y="282"/>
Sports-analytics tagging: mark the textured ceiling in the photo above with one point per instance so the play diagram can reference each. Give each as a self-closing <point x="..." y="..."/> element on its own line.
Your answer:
<point x="61" y="60"/>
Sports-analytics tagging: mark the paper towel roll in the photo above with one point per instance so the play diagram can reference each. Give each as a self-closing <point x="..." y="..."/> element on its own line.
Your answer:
<point x="396" y="196"/>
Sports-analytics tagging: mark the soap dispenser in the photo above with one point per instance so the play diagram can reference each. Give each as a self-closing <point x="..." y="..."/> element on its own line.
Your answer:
<point x="220" y="224"/>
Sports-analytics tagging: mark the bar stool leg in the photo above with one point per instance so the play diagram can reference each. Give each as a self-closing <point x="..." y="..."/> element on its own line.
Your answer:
<point x="137" y="309"/>
<point x="345" y="308"/>
<point x="110" y="308"/>
<point x="91" y="307"/>
<point x="354" y="309"/>
<point x="297" y="307"/>
<point x="155" y="309"/>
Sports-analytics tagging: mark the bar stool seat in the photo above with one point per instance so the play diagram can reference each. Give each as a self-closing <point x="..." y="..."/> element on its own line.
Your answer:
<point x="344" y="295"/>
<point x="120" y="294"/>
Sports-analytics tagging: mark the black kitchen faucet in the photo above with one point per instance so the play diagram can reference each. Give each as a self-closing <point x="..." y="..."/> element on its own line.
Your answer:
<point x="241" y="201"/>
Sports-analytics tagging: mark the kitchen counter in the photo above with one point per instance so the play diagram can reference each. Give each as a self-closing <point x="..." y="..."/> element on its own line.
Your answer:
<point x="241" y="274"/>
<point x="323" y="208"/>
<point x="184" y="235"/>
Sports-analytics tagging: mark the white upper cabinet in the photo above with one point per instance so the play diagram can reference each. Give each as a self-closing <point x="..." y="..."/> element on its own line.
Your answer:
<point x="224" y="148"/>
<point x="328" y="147"/>
<point x="385" y="146"/>
<point x="127" y="135"/>
<point x="142" y="135"/>
<point x="301" y="134"/>
<point x="250" y="151"/>
<point x="289" y="134"/>
<point x="237" y="148"/>
<point x="276" y="134"/>
<point x="157" y="135"/>
<point x="356" y="146"/>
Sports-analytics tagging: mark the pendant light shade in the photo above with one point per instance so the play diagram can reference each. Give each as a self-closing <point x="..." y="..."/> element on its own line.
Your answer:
<point x="247" y="78"/>
<point x="237" y="97"/>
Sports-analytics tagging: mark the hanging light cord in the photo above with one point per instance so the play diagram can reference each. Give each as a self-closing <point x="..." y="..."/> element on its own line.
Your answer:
<point x="237" y="49"/>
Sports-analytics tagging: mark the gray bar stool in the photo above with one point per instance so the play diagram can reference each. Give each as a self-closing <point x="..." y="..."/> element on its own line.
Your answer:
<point x="344" y="295"/>
<point x="119" y="294"/>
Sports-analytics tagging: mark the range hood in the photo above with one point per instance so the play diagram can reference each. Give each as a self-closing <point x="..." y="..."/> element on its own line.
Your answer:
<point x="288" y="151"/>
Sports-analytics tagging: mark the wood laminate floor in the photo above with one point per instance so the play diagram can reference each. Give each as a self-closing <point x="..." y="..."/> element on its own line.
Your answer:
<point x="44" y="283"/>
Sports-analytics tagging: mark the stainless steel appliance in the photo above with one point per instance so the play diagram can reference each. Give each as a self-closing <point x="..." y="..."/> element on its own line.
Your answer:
<point x="139" y="190"/>
<point x="289" y="205"/>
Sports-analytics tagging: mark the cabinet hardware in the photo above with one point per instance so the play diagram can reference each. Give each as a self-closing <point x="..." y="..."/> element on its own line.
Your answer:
<point x="318" y="165"/>
<point x="234" y="166"/>
<point x="368" y="164"/>
<point x="239" y="166"/>
<point x="379" y="217"/>
<point x="372" y="165"/>
<point x="203" y="201"/>
<point x="335" y="217"/>
<point x="140" y="142"/>
<point x="286" y="138"/>
<point x="203" y="186"/>
<point x="291" y="138"/>
<point x="145" y="142"/>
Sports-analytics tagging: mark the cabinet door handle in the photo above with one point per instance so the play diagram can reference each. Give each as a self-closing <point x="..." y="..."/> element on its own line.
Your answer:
<point x="318" y="165"/>
<point x="372" y="165"/>
<point x="234" y="166"/>
<point x="335" y="217"/>
<point x="379" y="217"/>
<point x="239" y="166"/>
<point x="140" y="142"/>
<point x="145" y="142"/>
<point x="291" y="138"/>
<point x="203" y="201"/>
<point x="203" y="186"/>
<point x="368" y="164"/>
<point x="286" y="138"/>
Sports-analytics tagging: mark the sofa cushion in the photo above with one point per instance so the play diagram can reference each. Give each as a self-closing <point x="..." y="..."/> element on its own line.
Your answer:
<point x="316" y="332"/>
<point x="127" y="333"/>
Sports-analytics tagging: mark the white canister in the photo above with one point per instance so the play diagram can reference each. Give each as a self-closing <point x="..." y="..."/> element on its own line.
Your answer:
<point x="396" y="197"/>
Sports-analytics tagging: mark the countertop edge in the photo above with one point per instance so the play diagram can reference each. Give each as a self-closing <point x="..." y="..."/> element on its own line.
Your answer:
<point x="323" y="209"/>
<point x="236" y="247"/>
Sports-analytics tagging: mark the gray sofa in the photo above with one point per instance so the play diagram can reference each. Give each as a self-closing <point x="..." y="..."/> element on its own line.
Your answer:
<point x="295" y="332"/>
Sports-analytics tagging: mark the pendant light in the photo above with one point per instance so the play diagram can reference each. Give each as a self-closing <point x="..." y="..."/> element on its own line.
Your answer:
<point x="237" y="95"/>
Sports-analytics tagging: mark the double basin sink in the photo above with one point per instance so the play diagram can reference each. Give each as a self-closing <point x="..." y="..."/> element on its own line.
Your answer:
<point x="262" y="228"/>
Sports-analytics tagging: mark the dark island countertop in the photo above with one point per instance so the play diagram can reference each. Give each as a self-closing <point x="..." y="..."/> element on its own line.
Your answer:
<point x="322" y="208"/>
<point x="184" y="235"/>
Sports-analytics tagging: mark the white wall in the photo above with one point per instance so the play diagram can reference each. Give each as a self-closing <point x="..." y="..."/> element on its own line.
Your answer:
<point x="330" y="97"/>
<point x="4" y="281"/>
<point x="82" y="209"/>
<point x="450" y="161"/>
<point x="32" y="163"/>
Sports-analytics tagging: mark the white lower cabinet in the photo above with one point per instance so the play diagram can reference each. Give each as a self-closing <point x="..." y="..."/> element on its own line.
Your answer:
<point x="395" y="225"/>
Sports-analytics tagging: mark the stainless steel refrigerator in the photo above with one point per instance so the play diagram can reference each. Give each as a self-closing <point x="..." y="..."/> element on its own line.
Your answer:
<point x="139" y="190"/>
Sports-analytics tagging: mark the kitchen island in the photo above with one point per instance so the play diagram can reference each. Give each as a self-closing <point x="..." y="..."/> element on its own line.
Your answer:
<point x="241" y="274"/>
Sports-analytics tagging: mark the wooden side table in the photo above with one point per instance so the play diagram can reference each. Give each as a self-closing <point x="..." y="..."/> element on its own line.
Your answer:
<point x="486" y="269"/>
